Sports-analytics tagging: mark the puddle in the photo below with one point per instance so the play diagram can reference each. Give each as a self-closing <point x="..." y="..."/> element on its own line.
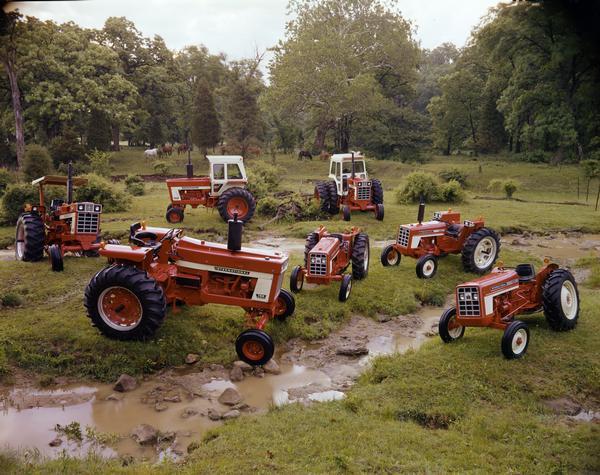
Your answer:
<point x="587" y="416"/>
<point x="563" y="248"/>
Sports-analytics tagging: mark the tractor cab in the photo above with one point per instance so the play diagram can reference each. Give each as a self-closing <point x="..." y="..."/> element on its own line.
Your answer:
<point x="349" y="171"/>
<point x="226" y="171"/>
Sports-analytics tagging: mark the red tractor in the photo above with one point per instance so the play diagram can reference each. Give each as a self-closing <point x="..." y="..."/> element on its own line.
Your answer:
<point x="349" y="188"/>
<point x="65" y="227"/>
<point x="224" y="188"/>
<point x="445" y="234"/>
<point x="328" y="255"/>
<point x="494" y="301"/>
<point x="128" y="299"/>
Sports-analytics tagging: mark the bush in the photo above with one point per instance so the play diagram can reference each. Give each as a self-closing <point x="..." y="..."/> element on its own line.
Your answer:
<point x="536" y="156"/>
<point x="99" y="162"/>
<point x="11" y="300"/>
<point x="161" y="168"/>
<point x="37" y="162"/>
<point x="8" y="154"/>
<point x="263" y="179"/>
<point x="267" y="206"/>
<point x="66" y="148"/>
<point x="99" y="190"/>
<point x="6" y="178"/>
<point x="508" y="186"/>
<point x="451" y="192"/>
<point x="134" y="185"/>
<point x="17" y="195"/>
<point x="454" y="174"/>
<point x="417" y="184"/>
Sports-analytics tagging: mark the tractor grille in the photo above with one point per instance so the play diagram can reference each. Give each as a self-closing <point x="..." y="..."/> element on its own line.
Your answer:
<point x="87" y="223"/>
<point x="363" y="192"/>
<point x="403" y="234"/>
<point x="468" y="302"/>
<point x="318" y="264"/>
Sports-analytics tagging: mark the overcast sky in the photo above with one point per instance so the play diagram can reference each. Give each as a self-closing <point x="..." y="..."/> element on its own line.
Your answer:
<point x="238" y="27"/>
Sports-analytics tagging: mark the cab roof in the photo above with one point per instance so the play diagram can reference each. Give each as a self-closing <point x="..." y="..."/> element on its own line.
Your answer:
<point x="58" y="180"/>
<point x="347" y="157"/>
<point x="225" y="158"/>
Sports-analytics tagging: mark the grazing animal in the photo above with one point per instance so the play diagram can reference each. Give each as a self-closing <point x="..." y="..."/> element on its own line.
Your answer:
<point x="182" y="148"/>
<point x="151" y="153"/>
<point x="324" y="155"/>
<point x="167" y="149"/>
<point x="305" y="154"/>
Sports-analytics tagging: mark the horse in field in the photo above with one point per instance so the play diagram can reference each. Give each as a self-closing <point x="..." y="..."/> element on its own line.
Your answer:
<point x="304" y="154"/>
<point x="151" y="153"/>
<point x="182" y="148"/>
<point x="167" y="149"/>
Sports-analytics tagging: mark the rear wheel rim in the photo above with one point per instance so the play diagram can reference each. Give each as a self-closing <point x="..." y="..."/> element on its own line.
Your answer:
<point x="237" y="205"/>
<point x="299" y="280"/>
<point x="454" y="329"/>
<point x="366" y="259"/>
<point x="428" y="267"/>
<point x="519" y="341"/>
<point x="392" y="257"/>
<point x="174" y="217"/>
<point x="20" y="242"/>
<point x="120" y="308"/>
<point x="348" y="289"/>
<point x="253" y="350"/>
<point x="568" y="299"/>
<point x="485" y="252"/>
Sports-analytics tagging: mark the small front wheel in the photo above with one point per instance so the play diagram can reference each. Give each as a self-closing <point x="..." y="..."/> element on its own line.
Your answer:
<point x="426" y="266"/>
<point x="346" y="213"/>
<point x="254" y="347"/>
<point x="515" y="340"/>
<point x="286" y="304"/>
<point x="379" y="212"/>
<point x="56" y="258"/>
<point x="448" y="328"/>
<point x="390" y="256"/>
<point x="345" y="288"/>
<point x="174" y="214"/>
<point x="296" y="279"/>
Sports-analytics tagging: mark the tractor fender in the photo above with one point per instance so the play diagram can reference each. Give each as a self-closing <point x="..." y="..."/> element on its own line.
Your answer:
<point x="124" y="253"/>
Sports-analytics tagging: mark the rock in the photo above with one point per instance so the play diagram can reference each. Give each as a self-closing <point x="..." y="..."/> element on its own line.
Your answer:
<point x="214" y="415"/>
<point x="272" y="367"/>
<point x="517" y="242"/>
<point x="177" y="448"/>
<point x="241" y="406"/>
<point x="125" y="383"/>
<point x="216" y="367"/>
<point x="258" y="372"/>
<point x="381" y="318"/>
<point x="236" y="374"/>
<point x="56" y="442"/>
<point x="192" y="358"/>
<point x="168" y="436"/>
<point x="189" y="412"/>
<point x="233" y="414"/>
<point x="113" y="397"/>
<point x="159" y="407"/>
<point x="144" y="434"/>
<point x="352" y="350"/>
<point x="175" y="398"/>
<point x="563" y="406"/>
<point x="193" y="446"/>
<point x="230" y="397"/>
<point x="245" y="367"/>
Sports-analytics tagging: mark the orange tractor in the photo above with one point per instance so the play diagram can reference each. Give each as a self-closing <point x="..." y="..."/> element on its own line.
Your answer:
<point x="224" y="188"/>
<point x="349" y="188"/>
<point x="128" y="299"/>
<point x="445" y="234"/>
<point x="497" y="298"/>
<point x="328" y="255"/>
<point x="65" y="227"/>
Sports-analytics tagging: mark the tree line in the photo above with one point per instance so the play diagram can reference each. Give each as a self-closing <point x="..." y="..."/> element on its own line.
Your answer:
<point x="347" y="74"/>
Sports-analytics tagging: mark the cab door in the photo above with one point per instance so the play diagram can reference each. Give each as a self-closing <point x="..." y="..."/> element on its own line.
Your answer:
<point x="217" y="177"/>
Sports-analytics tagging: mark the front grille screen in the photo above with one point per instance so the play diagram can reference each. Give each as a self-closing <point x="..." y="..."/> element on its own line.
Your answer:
<point x="364" y="190"/>
<point x="87" y="222"/>
<point x="403" y="234"/>
<point x="318" y="264"/>
<point x="468" y="302"/>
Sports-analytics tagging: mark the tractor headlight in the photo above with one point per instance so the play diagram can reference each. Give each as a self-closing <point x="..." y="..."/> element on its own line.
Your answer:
<point x="317" y="260"/>
<point x="97" y="208"/>
<point x="468" y="296"/>
<point x="80" y="207"/>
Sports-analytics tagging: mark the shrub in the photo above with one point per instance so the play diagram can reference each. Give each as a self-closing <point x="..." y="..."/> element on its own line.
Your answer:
<point x="6" y="178"/>
<point x="99" y="162"/>
<point x="508" y="186"/>
<point x="99" y="190"/>
<point x="37" y="162"/>
<point x="267" y="206"/>
<point x="17" y="195"/>
<point x="134" y="185"/>
<point x="161" y="168"/>
<point x="454" y="174"/>
<point x="79" y="168"/>
<point x="451" y="192"/>
<point x="263" y="178"/>
<point x="11" y="300"/>
<point x="417" y="184"/>
<point x="8" y="154"/>
<point x="66" y="148"/>
<point x="536" y="156"/>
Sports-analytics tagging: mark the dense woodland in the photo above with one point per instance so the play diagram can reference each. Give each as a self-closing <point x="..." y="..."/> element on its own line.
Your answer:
<point x="349" y="74"/>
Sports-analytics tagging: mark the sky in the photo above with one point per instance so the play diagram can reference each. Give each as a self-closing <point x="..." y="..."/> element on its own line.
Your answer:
<point x="240" y="27"/>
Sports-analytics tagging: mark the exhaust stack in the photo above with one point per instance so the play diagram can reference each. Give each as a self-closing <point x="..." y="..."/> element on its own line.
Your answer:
<point x="421" y="213"/>
<point x="70" y="183"/>
<point x="234" y="235"/>
<point x="353" y="166"/>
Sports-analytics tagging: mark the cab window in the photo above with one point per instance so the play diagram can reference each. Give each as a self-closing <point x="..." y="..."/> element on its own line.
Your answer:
<point x="234" y="172"/>
<point x="332" y="169"/>
<point x="359" y="167"/>
<point x="219" y="171"/>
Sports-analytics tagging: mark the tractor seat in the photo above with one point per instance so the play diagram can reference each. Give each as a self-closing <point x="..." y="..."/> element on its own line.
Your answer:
<point x="453" y="230"/>
<point x="526" y="272"/>
<point x="148" y="237"/>
<point x="55" y="204"/>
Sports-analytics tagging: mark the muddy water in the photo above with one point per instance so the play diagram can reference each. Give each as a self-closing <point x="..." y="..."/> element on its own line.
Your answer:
<point x="178" y="402"/>
<point x="562" y="248"/>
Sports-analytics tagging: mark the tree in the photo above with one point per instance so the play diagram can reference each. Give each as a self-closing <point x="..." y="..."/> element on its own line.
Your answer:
<point x="99" y="131"/>
<point x="241" y="115"/>
<point x="206" y="130"/>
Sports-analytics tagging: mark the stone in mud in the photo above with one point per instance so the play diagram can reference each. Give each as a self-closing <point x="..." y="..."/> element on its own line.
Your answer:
<point x="192" y="358"/>
<point x="55" y="442"/>
<point x="113" y="397"/>
<point x="272" y="367"/>
<point x="382" y="318"/>
<point x="144" y="434"/>
<point x="352" y="350"/>
<point x="230" y="397"/>
<point x="168" y="436"/>
<point x="563" y="405"/>
<point x="216" y="367"/>
<point x="160" y="407"/>
<point x="233" y="414"/>
<point x="177" y="448"/>
<point x="236" y="374"/>
<point x="258" y="372"/>
<point x="125" y="383"/>
<point x="241" y="406"/>
<point x="188" y="412"/>
<point x="214" y="415"/>
<point x="517" y="242"/>
<point x="245" y="367"/>
<point x="175" y="398"/>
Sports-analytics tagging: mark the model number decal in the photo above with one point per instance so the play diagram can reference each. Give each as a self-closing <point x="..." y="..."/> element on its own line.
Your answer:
<point x="504" y="284"/>
<point x="232" y="271"/>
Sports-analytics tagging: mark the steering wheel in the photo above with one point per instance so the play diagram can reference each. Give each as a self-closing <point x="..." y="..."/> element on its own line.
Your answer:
<point x="138" y="239"/>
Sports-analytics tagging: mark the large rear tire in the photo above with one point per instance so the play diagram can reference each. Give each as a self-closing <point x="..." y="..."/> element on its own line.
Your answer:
<point x="254" y="347"/>
<point x="480" y="251"/>
<point x="360" y="256"/>
<point x="561" y="300"/>
<point x="376" y="191"/>
<point x="29" y="238"/>
<point x="322" y="193"/>
<point x="311" y="241"/>
<point x="174" y="214"/>
<point x="124" y="303"/>
<point x="334" y="206"/>
<point x="236" y="200"/>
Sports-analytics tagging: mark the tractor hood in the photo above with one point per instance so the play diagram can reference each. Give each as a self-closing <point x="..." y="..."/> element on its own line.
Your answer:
<point x="497" y="279"/>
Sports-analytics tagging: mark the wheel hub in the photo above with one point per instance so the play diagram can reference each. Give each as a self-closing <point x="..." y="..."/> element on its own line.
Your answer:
<point x="253" y="350"/>
<point x="120" y="308"/>
<point x="237" y="205"/>
<point x="485" y="252"/>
